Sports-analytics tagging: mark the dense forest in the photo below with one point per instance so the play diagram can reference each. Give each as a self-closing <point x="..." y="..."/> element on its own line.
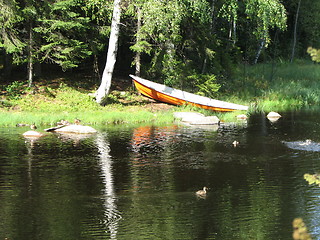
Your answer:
<point x="185" y="43"/>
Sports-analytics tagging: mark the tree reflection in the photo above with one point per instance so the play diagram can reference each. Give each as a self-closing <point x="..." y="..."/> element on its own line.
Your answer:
<point x="112" y="215"/>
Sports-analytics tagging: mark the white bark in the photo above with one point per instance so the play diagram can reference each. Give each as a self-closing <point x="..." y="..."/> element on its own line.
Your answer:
<point x="295" y="32"/>
<point x="138" y="39"/>
<point x="105" y="85"/>
<point x="30" y="57"/>
<point x="261" y="46"/>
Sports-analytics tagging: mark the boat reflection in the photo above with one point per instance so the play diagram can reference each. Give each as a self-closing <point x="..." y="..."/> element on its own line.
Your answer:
<point x="145" y="136"/>
<point x="111" y="215"/>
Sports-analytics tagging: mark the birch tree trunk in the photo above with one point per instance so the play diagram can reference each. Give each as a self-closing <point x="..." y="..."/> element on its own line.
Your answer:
<point x="105" y="85"/>
<point x="30" y="57"/>
<point x="295" y="32"/>
<point x="261" y="46"/>
<point x="138" y="39"/>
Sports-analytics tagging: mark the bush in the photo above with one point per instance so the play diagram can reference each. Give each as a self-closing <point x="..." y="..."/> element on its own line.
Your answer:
<point x="15" y="90"/>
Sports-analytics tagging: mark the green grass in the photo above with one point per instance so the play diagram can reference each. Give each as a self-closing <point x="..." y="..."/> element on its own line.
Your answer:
<point x="88" y="118"/>
<point x="49" y="106"/>
<point x="263" y="87"/>
<point x="280" y="86"/>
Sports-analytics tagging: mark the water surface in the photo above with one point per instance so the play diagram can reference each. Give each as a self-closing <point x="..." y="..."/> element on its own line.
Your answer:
<point x="139" y="182"/>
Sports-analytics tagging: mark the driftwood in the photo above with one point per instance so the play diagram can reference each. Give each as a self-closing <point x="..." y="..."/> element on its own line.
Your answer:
<point x="54" y="128"/>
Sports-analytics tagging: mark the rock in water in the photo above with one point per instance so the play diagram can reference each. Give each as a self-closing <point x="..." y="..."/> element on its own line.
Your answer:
<point x="32" y="134"/>
<point x="196" y="118"/>
<point x="76" y="129"/>
<point x="273" y="115"/>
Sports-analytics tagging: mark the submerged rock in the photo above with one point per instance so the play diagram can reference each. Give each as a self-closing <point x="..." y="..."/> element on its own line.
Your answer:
<point x="196" y="118"/>
<point x="76" y="129"/>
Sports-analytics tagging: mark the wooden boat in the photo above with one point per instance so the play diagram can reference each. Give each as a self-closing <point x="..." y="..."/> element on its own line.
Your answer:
<point x="173" y="96"/>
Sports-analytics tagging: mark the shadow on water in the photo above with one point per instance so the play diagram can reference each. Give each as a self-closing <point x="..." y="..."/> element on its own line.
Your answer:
<point x="140" y="182"/>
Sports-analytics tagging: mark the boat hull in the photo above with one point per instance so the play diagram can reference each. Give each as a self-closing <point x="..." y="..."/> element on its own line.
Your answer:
<point x="173" y="96"/>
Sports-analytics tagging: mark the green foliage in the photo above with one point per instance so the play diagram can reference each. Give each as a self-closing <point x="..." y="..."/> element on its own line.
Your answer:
<point x="9" y="36"/>
<point x="314" y="53"/>
<point x="207" y="84"/>
<point x="15" y="90"/>
<point x="229" y="10"/>
<point x="265" y="15"/>
<point x="64" y="32"/>
<point x="163" y="35"/>
<point x="63" y="29"/>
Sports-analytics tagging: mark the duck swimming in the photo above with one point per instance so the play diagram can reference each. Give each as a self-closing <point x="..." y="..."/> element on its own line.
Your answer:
<point x="202" y="192"/>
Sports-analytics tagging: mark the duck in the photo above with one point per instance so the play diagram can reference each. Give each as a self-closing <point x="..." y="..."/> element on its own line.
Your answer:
<point x="63" y="123"/>
<point x="33" y="126"/>
<point x="202" y="193"/>
<point x="77" y="121"/>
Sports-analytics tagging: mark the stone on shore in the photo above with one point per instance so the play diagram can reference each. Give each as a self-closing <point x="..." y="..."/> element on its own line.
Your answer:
<point x="76" y="129"/>
<point x="196" y="118"/>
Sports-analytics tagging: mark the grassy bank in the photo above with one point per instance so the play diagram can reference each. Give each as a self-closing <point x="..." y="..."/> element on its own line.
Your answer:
<point x="264" y="87"/>
<point x="53" y="101"/>
<point x="50" y="105"/>
<point x="279" y="86"/>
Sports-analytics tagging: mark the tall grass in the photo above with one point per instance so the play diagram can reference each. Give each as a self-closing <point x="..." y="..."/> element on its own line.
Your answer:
<point x="280" y="86"/>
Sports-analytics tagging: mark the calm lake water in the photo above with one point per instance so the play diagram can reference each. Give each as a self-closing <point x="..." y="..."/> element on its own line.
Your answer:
<point x="139" y="182"/>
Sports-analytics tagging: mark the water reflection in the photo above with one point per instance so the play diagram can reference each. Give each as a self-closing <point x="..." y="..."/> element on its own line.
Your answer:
<point x="307" y="145"/>
<point x="112" y="215"/>
<point x="73" y="137"/>
<point x="30" y="143"/>
<point x="140" y="182"/>
<point x="145" y="137"/>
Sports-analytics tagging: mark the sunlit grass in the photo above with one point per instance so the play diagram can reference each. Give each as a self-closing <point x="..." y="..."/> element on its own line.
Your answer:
<point x="107" y="116"/>
<point x="280" y="86"/>
<point x="263" y="87"/>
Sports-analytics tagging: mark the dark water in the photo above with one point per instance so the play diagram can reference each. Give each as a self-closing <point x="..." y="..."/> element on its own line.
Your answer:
<point x="140" y="182"/>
